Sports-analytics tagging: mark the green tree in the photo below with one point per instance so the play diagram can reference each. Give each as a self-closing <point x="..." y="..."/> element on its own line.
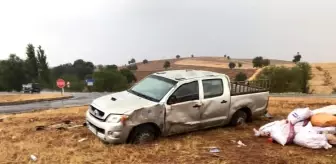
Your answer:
<point x="232" y="65"/>
<point x="166" y="64"/>
<point x="12" y="73"/>
<point x="297" y="57"/>
<point x="145" y="61"/>
<point x="192" y="55"/>
<point x="132" y="61"/>
<point x="129" y="75"/>
<point x="228" y="57"/>
<point x="32" y="63"/>
<point x="257" y="62"/>
<point x="83" y="68"/>
<point x="43" y="67"/>
<point x="241" y="77"/>
<point x="111" y="67"/>
<point x="265" y="62"/>
<point x="240" y="65"/>
<point x="306" y="75"/>
<point x="110" y="81"/>
<point x="178" y="56"/>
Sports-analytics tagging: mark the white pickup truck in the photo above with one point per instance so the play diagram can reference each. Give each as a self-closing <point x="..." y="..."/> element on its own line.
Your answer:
<point x="172" y="102"/>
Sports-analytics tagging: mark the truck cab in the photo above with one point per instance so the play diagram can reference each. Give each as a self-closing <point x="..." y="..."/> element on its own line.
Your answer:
<point x="172" y="102"/>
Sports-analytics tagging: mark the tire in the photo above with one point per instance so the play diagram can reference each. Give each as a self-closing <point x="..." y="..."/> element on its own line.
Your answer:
<point x="239" y="118"/>
<point x="143" y="134"/>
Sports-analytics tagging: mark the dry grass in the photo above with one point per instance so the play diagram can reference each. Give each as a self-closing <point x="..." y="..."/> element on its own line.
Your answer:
<point x="21" y="98"/>
<point x="318" y="80"/>
<point x="18" y="140"/>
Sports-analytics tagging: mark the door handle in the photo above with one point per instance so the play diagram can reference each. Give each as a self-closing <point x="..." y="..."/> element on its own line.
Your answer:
<point x="197" y="106"/>
<point x="224" y="101"/>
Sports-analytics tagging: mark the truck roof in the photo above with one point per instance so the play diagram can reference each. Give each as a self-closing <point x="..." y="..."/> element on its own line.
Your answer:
<point x="186" y="74"/>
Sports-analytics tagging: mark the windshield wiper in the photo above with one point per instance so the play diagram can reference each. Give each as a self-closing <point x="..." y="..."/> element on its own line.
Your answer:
<point x="142" y="95"/>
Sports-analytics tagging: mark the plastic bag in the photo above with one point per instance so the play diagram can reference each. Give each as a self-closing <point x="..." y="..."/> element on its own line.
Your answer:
<point x="331" y="109"/>
<point x="309" y="138"/>
<point x="299" y="125"/>
<point x="283" y="133"/>
<point x="265" y="130"/>
<point x="323" y="120"/>
<point x="299" y="114"/>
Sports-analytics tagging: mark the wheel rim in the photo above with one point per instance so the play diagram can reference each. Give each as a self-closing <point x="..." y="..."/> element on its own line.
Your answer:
<point x="240" y="121"/>
<point x="144" y="138"/>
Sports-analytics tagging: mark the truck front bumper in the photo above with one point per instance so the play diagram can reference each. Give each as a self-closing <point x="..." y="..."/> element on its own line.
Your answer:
<point x="108" y="132"/>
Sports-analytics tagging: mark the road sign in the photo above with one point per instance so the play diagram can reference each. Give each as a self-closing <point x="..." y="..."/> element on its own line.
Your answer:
<point x="60" y="83"/>
<point x="89" y="82"/>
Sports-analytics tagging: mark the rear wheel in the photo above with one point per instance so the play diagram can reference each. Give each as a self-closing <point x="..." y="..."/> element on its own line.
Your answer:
<point x="239" y="118"/>
<point x="143" y="134"/>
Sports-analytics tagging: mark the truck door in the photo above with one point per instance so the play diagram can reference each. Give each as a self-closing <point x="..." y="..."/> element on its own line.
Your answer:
<point x="216" y="102"/>
<point x="182" y="109"/>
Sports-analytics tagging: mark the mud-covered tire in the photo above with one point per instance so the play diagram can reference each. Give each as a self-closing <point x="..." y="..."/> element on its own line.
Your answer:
<point x="143" y="134"/>
<point x="239" y="118"/>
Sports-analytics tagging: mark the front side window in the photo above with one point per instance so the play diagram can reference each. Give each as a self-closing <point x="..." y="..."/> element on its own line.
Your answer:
<point x="212" y="88"/>
<point x="153" y="87"/>
<point x="186" y="92"/>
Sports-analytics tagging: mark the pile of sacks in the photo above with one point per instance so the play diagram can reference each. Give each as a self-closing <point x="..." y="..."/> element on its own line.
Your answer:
<point x="313" y="129"/>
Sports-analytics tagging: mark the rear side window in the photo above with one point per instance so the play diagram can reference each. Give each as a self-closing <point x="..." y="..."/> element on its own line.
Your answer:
<point x="212" y="88"/>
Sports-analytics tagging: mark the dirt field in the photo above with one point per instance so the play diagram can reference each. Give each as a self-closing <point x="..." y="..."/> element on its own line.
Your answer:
<point x="19" y="140"/>
<point x="25" y="98"/>
<point x="318" y="81"/>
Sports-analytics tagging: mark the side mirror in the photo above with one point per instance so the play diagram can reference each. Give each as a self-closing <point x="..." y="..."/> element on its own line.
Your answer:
<point x="172" y="100"/>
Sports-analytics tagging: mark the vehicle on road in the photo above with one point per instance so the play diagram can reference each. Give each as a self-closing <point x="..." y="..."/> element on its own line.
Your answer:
<point x="31" y="88"/>
<point x="172" y="102"/>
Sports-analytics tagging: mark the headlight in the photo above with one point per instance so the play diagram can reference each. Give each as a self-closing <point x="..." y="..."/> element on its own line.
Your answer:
<point x="116" y="118"/>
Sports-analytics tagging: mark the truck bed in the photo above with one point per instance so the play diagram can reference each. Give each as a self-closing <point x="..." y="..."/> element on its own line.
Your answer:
<point x="249" y="87"/>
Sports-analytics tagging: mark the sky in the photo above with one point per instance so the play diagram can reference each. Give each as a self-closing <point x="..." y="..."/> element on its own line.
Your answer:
<point x="114" y="31"/>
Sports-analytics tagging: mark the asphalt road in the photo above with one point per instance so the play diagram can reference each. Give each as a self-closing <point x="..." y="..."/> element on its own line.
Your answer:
<point x="77" y="100"/>
<point x="86" y="98"/>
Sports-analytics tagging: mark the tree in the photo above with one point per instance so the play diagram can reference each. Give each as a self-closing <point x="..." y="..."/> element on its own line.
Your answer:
<point x="225" y="55"/>
<point x="145" y="61"/>
<point x="32" y="64"/>
<point x="257" y="62"/>
<point x="111" y="67"/>
<point x="192" y="55"/>
<point x="129" y="75"/>
<point x="43" y="67"/>
<point x="228" y="57"/>
<point x="178" y="56"/>
<point x="132" y="66"/>
<point x="12" y="73"/>
<point x="83" y="68"/>
<point x="297" y="57"/>
<point x="132" y="61"/>
<point x="232" y="65"/>
<point x="240" y="64"/>
<point x="166" y="64"/>
<point x="241" y="76"/>
<point x="265" y="62"/>
<point x="110" y="81"/>
<point x="306" y="72"/>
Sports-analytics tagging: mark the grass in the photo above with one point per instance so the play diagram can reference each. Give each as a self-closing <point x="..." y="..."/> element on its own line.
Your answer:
<point x="19" y="140"/>
<point x="23" y="98"/>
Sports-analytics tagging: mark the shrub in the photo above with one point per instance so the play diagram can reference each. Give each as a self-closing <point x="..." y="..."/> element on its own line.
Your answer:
<point x="178" y="56"/>
<point x="240" y="64"/>
<point x="145" y="61"/>
<point x="166" y="64"/>
<point x="129" y="75"/>
<point x="110" y="81"/>
<point x="192" y="55"/>
<point x="132" y="66"/>
<point x="241" y="77"/>
<point x="232" y="65"/>
<point x="319" y="68"/>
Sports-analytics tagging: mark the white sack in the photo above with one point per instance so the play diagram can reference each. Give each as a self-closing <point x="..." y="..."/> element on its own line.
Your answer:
<point x="265" y="130"/>
<point x="283" y="133"/>
<point x="299" y="114"/>
<point x="309" y="138"/>
<point x="299" y="125"/>
<point x="331" y="109"/>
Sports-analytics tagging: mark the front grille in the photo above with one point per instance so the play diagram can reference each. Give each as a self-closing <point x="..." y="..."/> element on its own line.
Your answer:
<point x="100" y="130"/>
<point x="96" y="117"/>
<point x="100" y="113"/>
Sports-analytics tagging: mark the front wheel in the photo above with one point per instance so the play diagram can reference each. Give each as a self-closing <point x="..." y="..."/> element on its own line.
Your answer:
<point x="143" y="134"/>
<point x="239" y="118"/>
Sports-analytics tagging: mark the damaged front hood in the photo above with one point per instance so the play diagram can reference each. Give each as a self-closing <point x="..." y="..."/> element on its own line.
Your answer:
<point x="121" y="102"/>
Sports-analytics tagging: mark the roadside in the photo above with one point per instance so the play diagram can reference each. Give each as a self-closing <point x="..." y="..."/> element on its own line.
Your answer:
<point x="19" y="140"/>
<point x="14" y="99"/>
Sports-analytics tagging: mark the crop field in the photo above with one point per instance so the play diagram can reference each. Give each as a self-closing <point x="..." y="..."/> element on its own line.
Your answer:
<point x="19" y="139"/>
